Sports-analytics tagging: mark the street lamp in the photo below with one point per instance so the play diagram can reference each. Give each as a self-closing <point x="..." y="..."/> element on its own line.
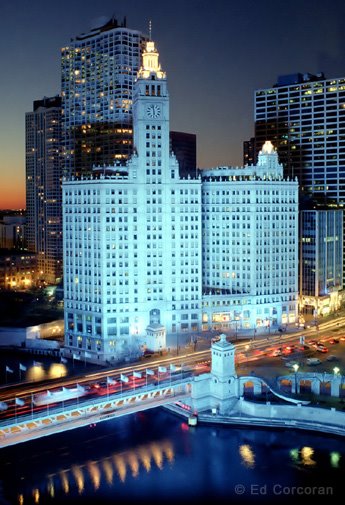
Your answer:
<point x="295" y="366"/>
<point x="234" y="321"/>
<point x="336" y="370"/>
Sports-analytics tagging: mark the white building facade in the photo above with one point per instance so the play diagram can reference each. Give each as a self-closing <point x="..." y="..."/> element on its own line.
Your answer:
<point x="250" y="246"/>
<point x="132" y="244"/>
<point x="149" y="255"/>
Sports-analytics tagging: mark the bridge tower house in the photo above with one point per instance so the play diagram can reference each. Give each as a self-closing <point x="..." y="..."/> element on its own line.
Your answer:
<point x="224" y="381"/>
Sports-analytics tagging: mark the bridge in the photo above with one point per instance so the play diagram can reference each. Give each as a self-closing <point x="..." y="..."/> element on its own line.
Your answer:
<point x="87" y="411"/>
<point x="30" y="417"/>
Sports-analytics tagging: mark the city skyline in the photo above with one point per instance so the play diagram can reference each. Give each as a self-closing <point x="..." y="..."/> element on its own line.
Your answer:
<point x="235" y="48"/>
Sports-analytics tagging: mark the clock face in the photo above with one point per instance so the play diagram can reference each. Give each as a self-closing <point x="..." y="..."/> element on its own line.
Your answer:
<point x="153" y="111"/>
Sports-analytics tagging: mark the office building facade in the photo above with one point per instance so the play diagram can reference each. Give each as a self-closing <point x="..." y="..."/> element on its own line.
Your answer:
<point x="43" y="187"/>
<point x="250" y="245"/>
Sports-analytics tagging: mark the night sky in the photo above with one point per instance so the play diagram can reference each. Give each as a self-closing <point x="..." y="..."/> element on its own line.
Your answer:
<point x="215" y="52"/>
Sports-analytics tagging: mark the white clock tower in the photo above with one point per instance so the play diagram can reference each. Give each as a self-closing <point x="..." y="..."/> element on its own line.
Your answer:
<point x="151" y="119"/>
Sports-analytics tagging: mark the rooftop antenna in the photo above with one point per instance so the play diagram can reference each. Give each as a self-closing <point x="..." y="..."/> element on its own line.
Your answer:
<point x="150" y="29"/>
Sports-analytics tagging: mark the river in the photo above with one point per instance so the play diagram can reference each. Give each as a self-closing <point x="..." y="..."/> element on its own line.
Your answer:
<point x="154" y="456"/>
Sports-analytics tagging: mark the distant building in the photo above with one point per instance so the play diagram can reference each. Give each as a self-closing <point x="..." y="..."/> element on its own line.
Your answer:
<point x="183" y="145"/>
<point x="18" y="269"/>
<point x="249" y="152"/>
<point x="250" y="245"/>
<point x="12" y="231"/>
<point x="321" y="260"/>
<point x="43" y="186"/>
<point x="98" y="73"/>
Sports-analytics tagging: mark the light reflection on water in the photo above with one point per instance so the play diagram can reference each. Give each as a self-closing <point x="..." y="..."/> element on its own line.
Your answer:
<point x="152" y="455"/>
<point x="247" y="455"/>
<point x="96" y="472"/>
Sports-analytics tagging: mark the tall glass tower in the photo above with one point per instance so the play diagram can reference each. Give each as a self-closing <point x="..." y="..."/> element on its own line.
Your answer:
<point x="98" y="72"/>
<point x="43" y="186"/>
<point x="303" y="115"/>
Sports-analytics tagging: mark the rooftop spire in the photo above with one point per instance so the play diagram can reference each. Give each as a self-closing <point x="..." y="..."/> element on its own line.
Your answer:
<point x="150" y="29"/>
<point x="151" y="63"/>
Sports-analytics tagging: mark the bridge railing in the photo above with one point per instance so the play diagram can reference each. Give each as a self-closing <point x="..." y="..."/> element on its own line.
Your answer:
<point x="87" y="402"/>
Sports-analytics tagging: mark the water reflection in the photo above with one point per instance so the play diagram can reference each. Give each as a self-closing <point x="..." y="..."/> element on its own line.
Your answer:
<point x="303" y="456"/>
<point x="75" y="477"/>
<point x="50" y="488"/>
<point x="306" y="454"/>
<point x="247" y="455"/>
<point x="335" y="459"/>
<point x="108" y="471"/>
<point x="95" y="474"/>
<point x="36" y="495"/>
<point x="64" y="481"/>
<point x="78" y="477"/>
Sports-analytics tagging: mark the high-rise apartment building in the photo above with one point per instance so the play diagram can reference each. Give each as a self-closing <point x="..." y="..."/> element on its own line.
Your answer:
<point x="98" y="73"/>
<point x="132" y="242"/>
<point x="43" y="186"/>
<point x="250" y="245"/>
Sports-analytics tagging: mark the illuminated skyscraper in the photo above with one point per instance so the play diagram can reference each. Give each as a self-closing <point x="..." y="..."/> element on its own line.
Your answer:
<point x="304" y="117"/>
<point x="98" y="73"/>
<point x="43" y="186"/>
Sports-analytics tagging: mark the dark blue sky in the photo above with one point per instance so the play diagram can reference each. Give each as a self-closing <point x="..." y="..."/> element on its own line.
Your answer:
<point x="215" y="53"/>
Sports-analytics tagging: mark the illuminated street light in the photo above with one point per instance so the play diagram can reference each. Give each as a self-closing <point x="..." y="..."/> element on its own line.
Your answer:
<point x="295" y="366"/>
<point x="336" y="370"/>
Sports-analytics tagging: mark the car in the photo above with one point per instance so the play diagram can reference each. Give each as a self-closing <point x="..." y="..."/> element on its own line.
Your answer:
<point x="333" y="341"/>
<point x="291" y="364"/>
<point x="313" y="361"/>
<point x="342" y="339"/>
<point x="312" y="343"/>
<point x="331" y="357"/>
<point x="321" y="348"/>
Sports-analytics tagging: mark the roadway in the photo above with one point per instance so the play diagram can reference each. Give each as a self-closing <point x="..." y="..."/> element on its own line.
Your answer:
<point x="252" y="356"/>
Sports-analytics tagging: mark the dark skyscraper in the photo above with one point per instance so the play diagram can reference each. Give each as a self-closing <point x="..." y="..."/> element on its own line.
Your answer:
<point x="249" y="153"/>
<point x="183" y="146"/>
